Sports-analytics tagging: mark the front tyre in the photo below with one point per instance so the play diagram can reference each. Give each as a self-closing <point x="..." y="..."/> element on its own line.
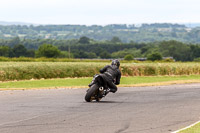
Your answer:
<point x="91" y="92"/>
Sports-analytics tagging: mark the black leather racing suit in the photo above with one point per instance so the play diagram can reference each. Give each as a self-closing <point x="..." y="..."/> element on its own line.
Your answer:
<point x="111" y="75"/>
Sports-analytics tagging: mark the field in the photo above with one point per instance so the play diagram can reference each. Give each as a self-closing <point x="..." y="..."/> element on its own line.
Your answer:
<point x="11" y="71"/>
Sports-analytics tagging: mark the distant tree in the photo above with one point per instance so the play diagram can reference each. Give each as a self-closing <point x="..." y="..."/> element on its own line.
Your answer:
<point x="144" y="33"/>
<point x="30" y="53"/>
<point x="48" y="50"/>
<point x="91" y="55"/>
<point x="154" y="56"/>
<point x="105" y="55"/>
<point x="197" y="59"/>
<point x="195" y="49"/>
<point x="128" y="57"/>
<point x="178" y="50"/>
<point x="173" y="34"/>
<point x="14" y="41"/>
<point x="80" y="54"/>
<point x="19" y="50"/>
<point x="84" y="40"/>
<point x="115" y="39"/>
<point x="5" y="51"/>
<point x="120" y="54"/>
<point x="144" y="49"/>
<point x="66" y="54"/>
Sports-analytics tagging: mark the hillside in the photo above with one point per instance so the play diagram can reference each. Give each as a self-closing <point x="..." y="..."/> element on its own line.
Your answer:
<point x="127" y="33"/>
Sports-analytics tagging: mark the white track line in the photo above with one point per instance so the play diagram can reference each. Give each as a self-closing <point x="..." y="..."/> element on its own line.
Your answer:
<point x="186" y="127"/>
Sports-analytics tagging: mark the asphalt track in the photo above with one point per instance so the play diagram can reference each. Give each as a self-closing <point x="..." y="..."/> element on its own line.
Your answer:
<point x="160" y="109"/>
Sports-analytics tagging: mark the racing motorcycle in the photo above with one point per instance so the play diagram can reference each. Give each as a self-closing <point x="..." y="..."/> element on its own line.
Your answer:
<point x="98" y="89"/>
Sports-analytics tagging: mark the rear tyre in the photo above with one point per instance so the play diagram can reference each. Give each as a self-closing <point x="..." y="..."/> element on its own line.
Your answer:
<point x="90" y="93"/>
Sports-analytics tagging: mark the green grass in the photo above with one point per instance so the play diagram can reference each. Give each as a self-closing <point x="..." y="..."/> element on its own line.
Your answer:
<point x="83" y="82"/>
<point x="47" y="83"/>
<point x="154" y="79"/>
<point x="193" y="129"/>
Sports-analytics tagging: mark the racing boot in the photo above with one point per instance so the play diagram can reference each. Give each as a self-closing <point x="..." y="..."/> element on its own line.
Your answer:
<point x="112" y="90"/>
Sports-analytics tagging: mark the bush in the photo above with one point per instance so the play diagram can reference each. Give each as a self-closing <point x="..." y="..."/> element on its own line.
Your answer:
<point x="168" y="60"/>
<point x="154" y="56"/>
<point x="197" y="59"/>
<point x="128" y="57"/>
<point x="105" y="55"/>
<point x="48" y="50"/>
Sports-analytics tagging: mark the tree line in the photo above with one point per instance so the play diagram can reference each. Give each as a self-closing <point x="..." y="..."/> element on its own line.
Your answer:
<point x="127" y="33"/>
<point x="85" y="47"/>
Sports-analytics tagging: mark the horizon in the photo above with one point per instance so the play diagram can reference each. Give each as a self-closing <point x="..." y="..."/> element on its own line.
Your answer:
<point x="136" y="24"/>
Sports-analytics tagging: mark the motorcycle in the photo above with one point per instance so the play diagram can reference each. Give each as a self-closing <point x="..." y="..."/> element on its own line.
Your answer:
<point x="98" y="89"/>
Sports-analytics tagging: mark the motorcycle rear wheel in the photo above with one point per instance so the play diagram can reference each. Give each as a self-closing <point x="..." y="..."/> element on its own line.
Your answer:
<point x="90" y="93"/>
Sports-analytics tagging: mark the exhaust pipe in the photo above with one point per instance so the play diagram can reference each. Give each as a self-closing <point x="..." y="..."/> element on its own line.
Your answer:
<point x="101" y="89"/>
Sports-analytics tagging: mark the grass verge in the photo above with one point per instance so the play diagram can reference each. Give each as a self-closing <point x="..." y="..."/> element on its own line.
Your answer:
<point x="83" y="82"/>
<point x="193" y="129"/>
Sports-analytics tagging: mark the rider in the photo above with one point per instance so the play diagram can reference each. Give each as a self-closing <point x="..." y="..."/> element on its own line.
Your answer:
<point x="111" y="74"/>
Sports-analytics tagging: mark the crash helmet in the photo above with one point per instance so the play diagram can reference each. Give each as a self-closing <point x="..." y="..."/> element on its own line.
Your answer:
<point x="115" y="62"/>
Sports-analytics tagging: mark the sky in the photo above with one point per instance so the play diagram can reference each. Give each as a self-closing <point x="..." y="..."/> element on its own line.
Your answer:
<point x="100" y="12"/>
